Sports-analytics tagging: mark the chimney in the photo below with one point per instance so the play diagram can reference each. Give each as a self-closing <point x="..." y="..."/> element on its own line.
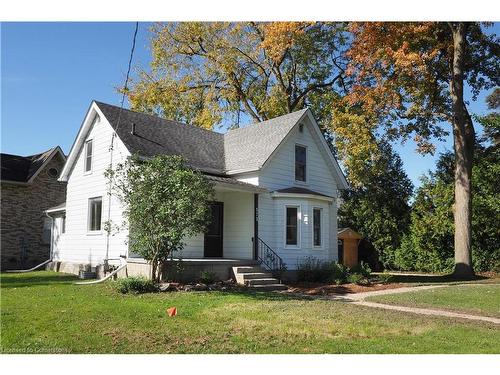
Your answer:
<point x="133" y="129"/>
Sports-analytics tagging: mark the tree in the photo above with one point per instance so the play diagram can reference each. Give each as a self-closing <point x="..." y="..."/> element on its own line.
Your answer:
<point x="206" y="72"/>
<point x="164" y="202"/>
<point x="429" y="243"/>
<point x="409" y="78"/>
<point x="379" y="207"/>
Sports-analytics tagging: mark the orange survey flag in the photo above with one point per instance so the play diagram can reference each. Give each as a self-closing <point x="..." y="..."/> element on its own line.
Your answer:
<point x="172" y="311"/>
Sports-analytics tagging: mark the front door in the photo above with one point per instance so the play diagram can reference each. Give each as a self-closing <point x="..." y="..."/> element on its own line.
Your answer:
<point x="213" y="236"/>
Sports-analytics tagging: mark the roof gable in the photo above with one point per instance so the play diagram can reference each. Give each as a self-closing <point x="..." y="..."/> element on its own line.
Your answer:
<point x="237" y="151"/>
<point x="248" y="148"/>
<point x="24" y="169"/>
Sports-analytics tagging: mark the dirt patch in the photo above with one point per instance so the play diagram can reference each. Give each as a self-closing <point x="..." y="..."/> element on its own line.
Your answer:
<point x="325" y="289"/>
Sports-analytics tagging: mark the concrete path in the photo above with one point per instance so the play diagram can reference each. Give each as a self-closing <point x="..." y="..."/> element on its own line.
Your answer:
<point x="363" y="295"/>
<point x="420" y="311"/>
<point x="359" y="299"/>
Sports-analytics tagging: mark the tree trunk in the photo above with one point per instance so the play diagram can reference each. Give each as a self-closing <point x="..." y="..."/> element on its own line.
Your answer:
<point x="464" y="138"/>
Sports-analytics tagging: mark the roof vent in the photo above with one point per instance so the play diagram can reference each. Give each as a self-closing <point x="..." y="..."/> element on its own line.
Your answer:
<point x="133" y="129"/>
<point x="301" y="128"/>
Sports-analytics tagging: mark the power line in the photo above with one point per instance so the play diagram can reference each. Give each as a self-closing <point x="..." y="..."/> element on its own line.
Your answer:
<point x="111" y="147"/>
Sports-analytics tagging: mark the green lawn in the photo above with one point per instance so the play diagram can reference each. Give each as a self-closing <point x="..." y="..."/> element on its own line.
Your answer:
<point x="44" y="312"/>
<point x="473" y="299"/>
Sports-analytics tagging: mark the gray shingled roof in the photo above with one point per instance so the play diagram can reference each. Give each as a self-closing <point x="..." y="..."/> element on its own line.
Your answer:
<point x="248" y="148"/>
<point x="203" y="149"/>
<point x="242" y="149"/>
<point x="22" y="168"/>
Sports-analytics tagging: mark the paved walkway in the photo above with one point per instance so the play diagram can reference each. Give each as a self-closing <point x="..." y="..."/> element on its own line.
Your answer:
<point x="420" y="311"/>
<point x="359" y="299"/>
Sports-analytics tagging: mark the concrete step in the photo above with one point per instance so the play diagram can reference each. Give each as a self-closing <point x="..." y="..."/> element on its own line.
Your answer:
<point x="269" y="287"/>
<point x="247" y="269"/>
<point x="255" y="275"/>
<point x="267" y="281"/>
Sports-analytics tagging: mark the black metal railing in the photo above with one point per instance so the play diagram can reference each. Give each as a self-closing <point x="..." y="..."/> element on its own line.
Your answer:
<point x="268" y="258"/>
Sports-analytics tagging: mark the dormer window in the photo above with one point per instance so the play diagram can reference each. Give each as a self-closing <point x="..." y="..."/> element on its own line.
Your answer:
<point x="88" y="156"/>
<point x="300" y="163"/>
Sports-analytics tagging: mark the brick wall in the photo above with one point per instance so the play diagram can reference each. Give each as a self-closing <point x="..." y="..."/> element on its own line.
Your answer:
<point x="22" y="218"/>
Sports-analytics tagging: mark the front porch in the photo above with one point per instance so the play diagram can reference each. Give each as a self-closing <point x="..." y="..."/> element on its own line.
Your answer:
<point x="228" y="242"/>
<point x="190" y="268"/>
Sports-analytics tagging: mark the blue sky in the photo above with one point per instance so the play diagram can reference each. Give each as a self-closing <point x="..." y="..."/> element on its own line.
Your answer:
<point x="50" y="72"/>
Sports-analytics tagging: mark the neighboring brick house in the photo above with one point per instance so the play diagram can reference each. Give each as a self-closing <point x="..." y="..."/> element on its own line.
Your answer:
<point x="29" y="186"/>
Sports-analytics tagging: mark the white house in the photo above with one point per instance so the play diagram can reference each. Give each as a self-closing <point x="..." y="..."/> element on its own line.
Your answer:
<point x="276" y="184"/>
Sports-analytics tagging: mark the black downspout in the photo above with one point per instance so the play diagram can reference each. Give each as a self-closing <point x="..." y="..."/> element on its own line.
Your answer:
<point x="256" y="226"/>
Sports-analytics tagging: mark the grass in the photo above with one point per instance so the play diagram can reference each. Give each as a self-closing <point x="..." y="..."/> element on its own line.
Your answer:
<point x="473" y="299"/>
<point x="43" y="312"/>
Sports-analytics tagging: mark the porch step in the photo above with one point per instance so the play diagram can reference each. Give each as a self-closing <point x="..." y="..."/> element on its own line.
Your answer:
<point x="256" y="275"/>
<point x="247" y="269"/>
<point x="256" y="278"/>
<point x="256" y="282"/>
<point x="269" y="287"/>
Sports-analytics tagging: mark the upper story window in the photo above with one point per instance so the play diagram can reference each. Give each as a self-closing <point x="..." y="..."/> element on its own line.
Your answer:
<point x="88" y="155"/>
<point x="300" y="163"/>
<point x="94" y="216"/>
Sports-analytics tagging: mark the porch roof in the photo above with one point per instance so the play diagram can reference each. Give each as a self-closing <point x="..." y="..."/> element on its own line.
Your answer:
<point x="234" y="184"/>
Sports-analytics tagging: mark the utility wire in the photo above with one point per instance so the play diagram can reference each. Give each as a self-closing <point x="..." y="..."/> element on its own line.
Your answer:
<point x="111" y="147"/>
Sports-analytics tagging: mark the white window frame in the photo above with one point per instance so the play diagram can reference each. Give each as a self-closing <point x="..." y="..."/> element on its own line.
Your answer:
<point x="299" y="219"/>
<point x="85" y="172"/>
<point x="89" y="213"/>
<point x="321" y="220"/>
<point x="294" y="161"/>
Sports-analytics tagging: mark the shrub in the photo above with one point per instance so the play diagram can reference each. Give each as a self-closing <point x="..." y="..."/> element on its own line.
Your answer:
<point x="135" y="285"/>
<point x="339" y="273"/>
<point x="385" y="278"/>
<point x="356" y="278"/>
<point x="363" y="269"/>
<point x="314" y="270"/>
<point x="208" y="277"/>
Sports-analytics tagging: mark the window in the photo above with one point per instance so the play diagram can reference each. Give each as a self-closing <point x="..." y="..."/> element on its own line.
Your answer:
<point x="47" y="227"/>
<point x="95" y="209"/>
<point x="63" y="224"/>
<point x="317" y="227"/>
<point x="53" y="172"/>
<point x="300" y="163"/>
<point x="291" y="230"/>
<point x="88" y="156"/>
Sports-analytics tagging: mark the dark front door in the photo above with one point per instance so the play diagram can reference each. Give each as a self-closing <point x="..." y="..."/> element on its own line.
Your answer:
<point x="213" y="236"/>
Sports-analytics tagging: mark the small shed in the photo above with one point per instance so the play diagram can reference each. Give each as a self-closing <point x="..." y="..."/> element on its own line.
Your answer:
<point x="348" y="246"/>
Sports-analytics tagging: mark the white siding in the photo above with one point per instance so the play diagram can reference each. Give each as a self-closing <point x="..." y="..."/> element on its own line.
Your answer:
<point x="279" y="173"/>
<point x="238" y="227"/>
<point x="77" y="244"/>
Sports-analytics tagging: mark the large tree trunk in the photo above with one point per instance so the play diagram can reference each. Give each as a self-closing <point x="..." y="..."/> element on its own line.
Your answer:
<point x="464" y="138"/>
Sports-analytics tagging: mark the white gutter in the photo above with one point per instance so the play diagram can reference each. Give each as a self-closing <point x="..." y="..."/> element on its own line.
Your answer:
<point x="304" y="196"/>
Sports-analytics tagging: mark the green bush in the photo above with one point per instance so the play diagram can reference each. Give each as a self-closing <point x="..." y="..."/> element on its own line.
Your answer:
<point x="311" y="269"/>
<point x="356" y="278"/>
<point x="385" y="278"/>
<point x="208" y="277"/>
<point x="135" y="285"/>
<point x="363" y="269"/>
<point x="339" y="273"/>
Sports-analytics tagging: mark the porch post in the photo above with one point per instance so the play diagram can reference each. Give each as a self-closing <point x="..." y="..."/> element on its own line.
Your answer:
<point x="256" y="225"/>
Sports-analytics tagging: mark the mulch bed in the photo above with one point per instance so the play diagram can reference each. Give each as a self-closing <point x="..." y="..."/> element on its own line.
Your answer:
<point x="325" y="289"/>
